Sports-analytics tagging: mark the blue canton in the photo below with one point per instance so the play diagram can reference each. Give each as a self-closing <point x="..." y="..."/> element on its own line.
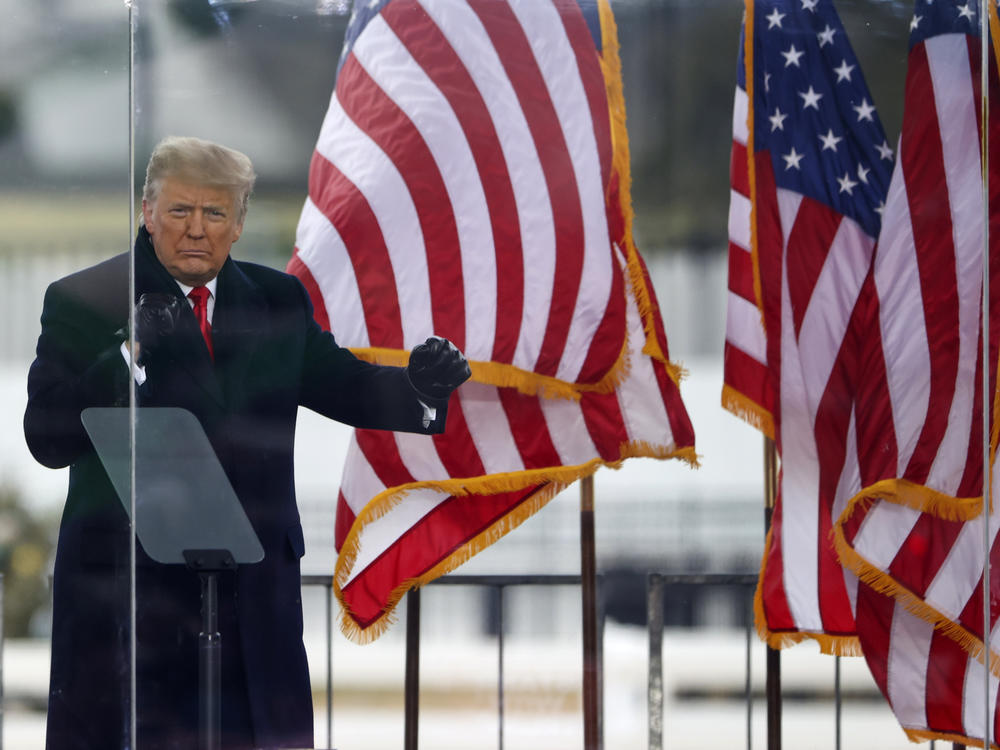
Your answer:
<point x="813" y="111"/>
<point x="592" y="15"/>
<point x="363" y="12"/>
<point x="934" y="17"/>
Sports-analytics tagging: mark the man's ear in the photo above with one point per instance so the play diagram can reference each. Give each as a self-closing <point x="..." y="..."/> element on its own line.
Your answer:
<point x="147" y="216"/>
<point x="237" y="232"/>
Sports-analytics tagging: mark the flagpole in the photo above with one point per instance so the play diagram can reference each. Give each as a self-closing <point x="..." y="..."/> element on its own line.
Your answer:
<point x="984" y="72"/>
<point x="588" y="583"/>
<point x="411" y="697"/>
<point x="773" y="666"/>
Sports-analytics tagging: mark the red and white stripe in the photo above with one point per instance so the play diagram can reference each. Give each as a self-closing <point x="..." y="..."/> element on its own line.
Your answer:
<point x="920" y="622"/>
<point x="747" y="388"/>
<point x="803" y="586"/>
<point x="934" y="686"/>
<point x="790" y="367"/>
<point x="463" y="185"/>
<point x="457" y="189"/>
<point x="925" y="416"/>
<point x="926" y="653"/>
<point x="526" y="443"/>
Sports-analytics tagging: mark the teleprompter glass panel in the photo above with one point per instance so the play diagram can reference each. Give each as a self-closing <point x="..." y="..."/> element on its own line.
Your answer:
<point x="64" y="201"/>
<point x="257" y="77"/>
<point x="226" y="105"/>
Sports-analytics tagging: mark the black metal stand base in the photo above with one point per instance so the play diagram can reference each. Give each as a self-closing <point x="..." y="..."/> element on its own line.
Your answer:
<point x="208" y="564"/>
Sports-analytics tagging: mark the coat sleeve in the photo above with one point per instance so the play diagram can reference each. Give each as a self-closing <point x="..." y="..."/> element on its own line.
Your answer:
<point x="77" y="364"/>
<point x="338" y="385"/>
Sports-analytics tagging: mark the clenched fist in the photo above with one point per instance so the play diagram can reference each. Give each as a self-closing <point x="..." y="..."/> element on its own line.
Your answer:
<point x="437" y="367"/>
<point x="155" y="318"/>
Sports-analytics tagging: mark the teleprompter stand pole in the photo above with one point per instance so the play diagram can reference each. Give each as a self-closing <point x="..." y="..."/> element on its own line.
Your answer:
<point x="208" y="564"/>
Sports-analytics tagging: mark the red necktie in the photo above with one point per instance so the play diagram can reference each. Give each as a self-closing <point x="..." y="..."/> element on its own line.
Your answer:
<point x="199" y="295"/>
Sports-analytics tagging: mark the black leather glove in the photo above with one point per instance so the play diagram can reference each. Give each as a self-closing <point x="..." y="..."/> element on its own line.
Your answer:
<point x="156" y="318"/>
<point x="437" y="367"/>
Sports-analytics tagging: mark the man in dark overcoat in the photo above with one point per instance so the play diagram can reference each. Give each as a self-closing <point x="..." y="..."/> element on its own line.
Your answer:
<point x="242" y="355"/>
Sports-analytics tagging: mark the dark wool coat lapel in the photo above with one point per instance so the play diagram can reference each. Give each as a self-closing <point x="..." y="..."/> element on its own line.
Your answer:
<point x="241" y="309"/>
<point x="186" y="347"/>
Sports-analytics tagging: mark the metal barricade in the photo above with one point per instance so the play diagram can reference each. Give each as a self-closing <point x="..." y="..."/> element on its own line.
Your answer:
<point x="656" y="582"/>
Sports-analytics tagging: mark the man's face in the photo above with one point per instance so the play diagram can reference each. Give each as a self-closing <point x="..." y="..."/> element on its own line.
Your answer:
<point x="193" y="228"/>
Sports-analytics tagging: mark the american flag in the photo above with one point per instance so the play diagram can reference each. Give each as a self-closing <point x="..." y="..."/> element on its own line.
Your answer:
<point x="914" y="533"/>
<point x="809" y="174"/>
<point x="471" y="180"/>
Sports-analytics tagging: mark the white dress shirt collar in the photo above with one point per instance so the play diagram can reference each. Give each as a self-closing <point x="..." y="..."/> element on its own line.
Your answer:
<point x="211" y="295"/>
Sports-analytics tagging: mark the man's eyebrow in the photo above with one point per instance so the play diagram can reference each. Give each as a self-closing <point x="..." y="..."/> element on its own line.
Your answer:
<point x="190" y="205"/>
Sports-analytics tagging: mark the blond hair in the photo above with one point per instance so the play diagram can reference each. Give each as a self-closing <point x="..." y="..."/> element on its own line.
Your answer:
<point x="200" y="162"/>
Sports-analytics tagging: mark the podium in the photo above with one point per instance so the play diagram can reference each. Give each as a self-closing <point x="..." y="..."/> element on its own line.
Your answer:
<point x="186" y="513"/>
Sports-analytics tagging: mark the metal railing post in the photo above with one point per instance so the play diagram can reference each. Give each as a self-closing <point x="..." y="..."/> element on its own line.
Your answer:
<point x="655" y="620"/>
<point x="329" y="666"/>
<point x="2" y="642"/>
<point x="600" y="661"/>
<point x="500" y="705"/>
<point x="837" y="702"/>
<point x="748" y="684"/>
<point x="654" y="683"/>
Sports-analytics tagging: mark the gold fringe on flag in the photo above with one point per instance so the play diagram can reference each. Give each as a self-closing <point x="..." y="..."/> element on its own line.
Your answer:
<point x="835" y="645"/>
<point x="927" y="500"/>
<point x="611" y="67"/>
<point x="553" y="480"/>
<point x="748" y="410"/>
<point x="503" y="375"/>
<point x="917" y="497"/>
<point x="994" y="22"/>
<point x="926" y="735"/>
<point x="995" y="39"/>
<point x="885" y="584"/>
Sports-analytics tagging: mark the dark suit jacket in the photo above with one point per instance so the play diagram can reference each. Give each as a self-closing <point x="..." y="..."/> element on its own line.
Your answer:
<point x="270" y="357"/>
